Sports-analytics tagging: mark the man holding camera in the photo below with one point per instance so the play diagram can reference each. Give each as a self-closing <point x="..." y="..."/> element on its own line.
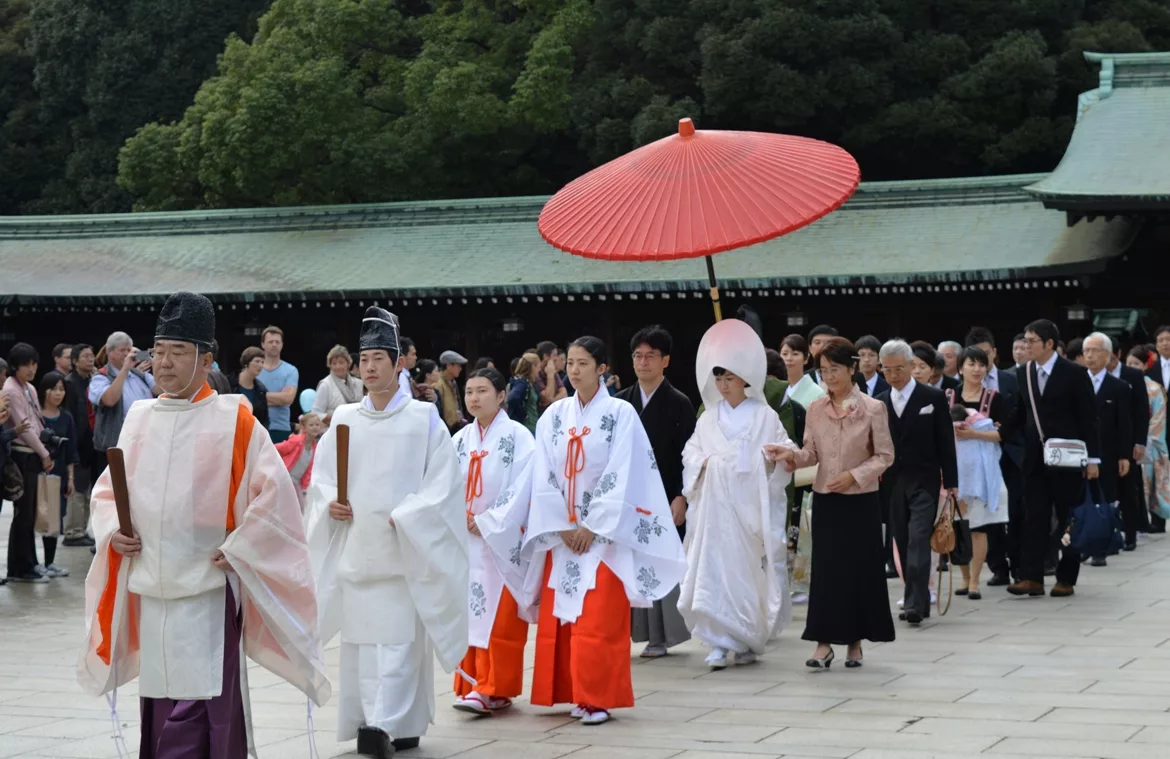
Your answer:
<point x="124" y="379"/>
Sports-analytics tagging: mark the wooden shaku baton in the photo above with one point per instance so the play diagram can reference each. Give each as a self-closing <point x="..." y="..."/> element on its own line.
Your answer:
<point x="343" y="464"/>
<point x="117" y="466"/>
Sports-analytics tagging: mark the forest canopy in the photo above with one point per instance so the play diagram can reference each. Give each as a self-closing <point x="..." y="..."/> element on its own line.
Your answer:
<point x="347" y="101"/>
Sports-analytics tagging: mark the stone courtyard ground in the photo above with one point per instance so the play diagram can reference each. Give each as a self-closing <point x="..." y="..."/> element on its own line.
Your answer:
<point x="999" y="678"/>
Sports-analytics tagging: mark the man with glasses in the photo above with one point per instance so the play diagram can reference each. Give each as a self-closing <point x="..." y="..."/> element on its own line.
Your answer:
<point x="669" y="419"/>
<point x="1064" y="407"/>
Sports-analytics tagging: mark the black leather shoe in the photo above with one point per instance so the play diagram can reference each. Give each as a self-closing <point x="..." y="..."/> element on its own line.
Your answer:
<point x="901" y="616"/>
<point x="997" y="581"/>
<point x="913" y="617"/>
<point x="1130" y="546"/>
<point x="891" y="573"/>
<point x="374" y="742"/>
<point x="1098" y="561"/>
<point x="403" y="744"/>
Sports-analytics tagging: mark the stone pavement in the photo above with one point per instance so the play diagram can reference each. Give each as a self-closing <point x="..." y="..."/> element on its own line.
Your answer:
<point x="1000" y="678"/>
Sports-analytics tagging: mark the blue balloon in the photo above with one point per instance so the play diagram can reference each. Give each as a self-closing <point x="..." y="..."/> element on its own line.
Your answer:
<point x="308" y="396"/>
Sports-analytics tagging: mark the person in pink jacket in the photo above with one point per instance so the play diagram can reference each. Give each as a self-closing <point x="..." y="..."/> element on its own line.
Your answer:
<point x="299" y="450"/>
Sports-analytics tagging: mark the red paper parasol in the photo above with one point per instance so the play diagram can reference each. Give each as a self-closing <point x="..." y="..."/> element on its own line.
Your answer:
<point x="697" y="193"/>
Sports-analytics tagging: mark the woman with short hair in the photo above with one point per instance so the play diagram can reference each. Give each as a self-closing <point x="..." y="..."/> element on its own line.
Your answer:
<point x="847" y="434"/>
<point x="339" y="388"/>
<point x="247" y="383"/>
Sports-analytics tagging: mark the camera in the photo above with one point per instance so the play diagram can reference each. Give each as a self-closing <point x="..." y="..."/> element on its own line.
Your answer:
<point x="51" y="440"/>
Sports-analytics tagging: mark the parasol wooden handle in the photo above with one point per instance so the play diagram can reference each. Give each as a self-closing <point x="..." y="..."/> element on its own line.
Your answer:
<point x="117" y="465"/>
<point x="343" y="464"/>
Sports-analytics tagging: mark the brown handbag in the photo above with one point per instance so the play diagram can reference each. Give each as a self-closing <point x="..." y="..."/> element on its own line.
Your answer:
<point x="942" y="540"/>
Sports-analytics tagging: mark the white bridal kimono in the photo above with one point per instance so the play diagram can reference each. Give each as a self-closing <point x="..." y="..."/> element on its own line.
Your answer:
<point x="618" y="496"/>
<point x="734" y="595"/>
<point x="503" y="456"/>
<point x="396" y="593"/>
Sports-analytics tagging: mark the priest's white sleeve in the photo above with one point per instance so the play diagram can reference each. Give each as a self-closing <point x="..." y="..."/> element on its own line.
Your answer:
<point x="430" y="531"/>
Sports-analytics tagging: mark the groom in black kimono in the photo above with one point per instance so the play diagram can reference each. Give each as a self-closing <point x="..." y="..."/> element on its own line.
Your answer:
<point x="669" y="419"/>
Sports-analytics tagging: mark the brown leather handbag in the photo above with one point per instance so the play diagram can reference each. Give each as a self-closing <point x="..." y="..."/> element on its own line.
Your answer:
<point x="942" y="540"/>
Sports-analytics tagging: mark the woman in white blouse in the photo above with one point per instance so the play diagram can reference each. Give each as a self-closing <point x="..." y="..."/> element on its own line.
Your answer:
<point x="340" y="387"/>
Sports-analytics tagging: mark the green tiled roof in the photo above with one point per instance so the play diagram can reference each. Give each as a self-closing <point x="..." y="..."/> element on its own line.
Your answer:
<point x="1120" y="149"/>
<point x="956" y="230"/>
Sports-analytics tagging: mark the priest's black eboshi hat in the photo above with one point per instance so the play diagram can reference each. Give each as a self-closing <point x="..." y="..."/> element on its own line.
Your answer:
<point x="379" y="331"/>
<point x="187" y="317"/>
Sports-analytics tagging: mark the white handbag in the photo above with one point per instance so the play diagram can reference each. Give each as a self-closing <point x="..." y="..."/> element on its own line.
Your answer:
<point x="1059" y="453"/>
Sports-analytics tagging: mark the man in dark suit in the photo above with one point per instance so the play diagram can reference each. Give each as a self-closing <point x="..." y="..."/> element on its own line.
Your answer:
<point x="1114" y="417"/>
<point x="1003" y="545"/>
<point x="924" y="460"/>
<point x="868" y="363"/>
<point x="669" y="419"/>
<point x="1066" y="408"/>
<point x="1133" y="501"/>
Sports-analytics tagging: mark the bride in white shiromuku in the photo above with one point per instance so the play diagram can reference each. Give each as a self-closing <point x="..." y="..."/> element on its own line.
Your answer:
<point x="734" y="596"/>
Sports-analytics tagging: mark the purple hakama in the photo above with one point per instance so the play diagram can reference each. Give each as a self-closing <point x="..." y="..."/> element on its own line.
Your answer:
<point x="204" y="729"/>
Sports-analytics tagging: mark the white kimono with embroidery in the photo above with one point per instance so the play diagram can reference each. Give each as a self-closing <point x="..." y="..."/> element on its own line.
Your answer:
<point x="497" y="470"/>
<point x="734" y="595"/>
<point x="595" y="465"/>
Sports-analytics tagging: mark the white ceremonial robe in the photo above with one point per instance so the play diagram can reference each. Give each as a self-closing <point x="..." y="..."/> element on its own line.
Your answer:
<point x="505" y="454"/>
<point x="397" y="593"/>
<point x="195" y="470"/>
<point x="734" y="595"/>
<point x="617" y="494"/>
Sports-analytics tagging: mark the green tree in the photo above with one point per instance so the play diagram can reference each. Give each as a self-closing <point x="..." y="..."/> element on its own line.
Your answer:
<point x="104" y="69"/>
<point x="372" y="100"/>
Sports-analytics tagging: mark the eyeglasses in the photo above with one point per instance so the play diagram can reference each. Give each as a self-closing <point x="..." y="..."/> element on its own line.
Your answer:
<point x="651" y="356"/>
<point x="896" y="369"/>
<point x="1032" y="340"/>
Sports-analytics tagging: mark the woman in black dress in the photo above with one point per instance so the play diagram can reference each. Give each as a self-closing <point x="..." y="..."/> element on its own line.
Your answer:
<point x="847" y="434"/>
<point x="974" y="364"/>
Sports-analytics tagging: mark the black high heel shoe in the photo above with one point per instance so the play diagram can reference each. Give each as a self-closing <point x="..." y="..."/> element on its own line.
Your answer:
<point x="854" y="663"/>
<point x="824" y="662"/>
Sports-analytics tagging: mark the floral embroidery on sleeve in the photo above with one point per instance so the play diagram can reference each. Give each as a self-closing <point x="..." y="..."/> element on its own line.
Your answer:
<point x="557" y="429"/>
<point x="646" y="527"/>
<point x="503" y="498"/>
<point x="653" y="460"/>
<point x="507" y="449"/>
<point x="647" y="581"/>
<point x="572" y="578"/>
<point x="478" y="600"/>
<point x="461" y="449"/>
<point x="608" y="423"/>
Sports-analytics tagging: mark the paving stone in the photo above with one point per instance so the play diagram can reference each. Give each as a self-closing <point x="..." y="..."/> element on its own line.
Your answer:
<point x="1003" y="678"/>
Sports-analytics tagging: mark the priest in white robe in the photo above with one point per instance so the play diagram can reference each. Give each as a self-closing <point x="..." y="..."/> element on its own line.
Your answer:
<point x="216" y="568"/>
<point x="734" y="596"/>
<point x="391" y="563"/>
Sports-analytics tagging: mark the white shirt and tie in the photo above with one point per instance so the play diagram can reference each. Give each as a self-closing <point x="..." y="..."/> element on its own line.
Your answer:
<point x="1165" y="362"/>
<point x="1097" y="378"/>
<point x="899" y="398"/>
<point x="991" y="379"/>
<point x="1044" y="371"/>
<point x="870" y="384"/>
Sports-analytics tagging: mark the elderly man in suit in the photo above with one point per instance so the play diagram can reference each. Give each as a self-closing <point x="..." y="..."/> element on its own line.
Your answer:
<point x="1056" y="401"/>
<point x="669" y="419"/>
<point x="1114" y="416"/>
<point x="1003" y="546"/>
<point x="924" y="461"/>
